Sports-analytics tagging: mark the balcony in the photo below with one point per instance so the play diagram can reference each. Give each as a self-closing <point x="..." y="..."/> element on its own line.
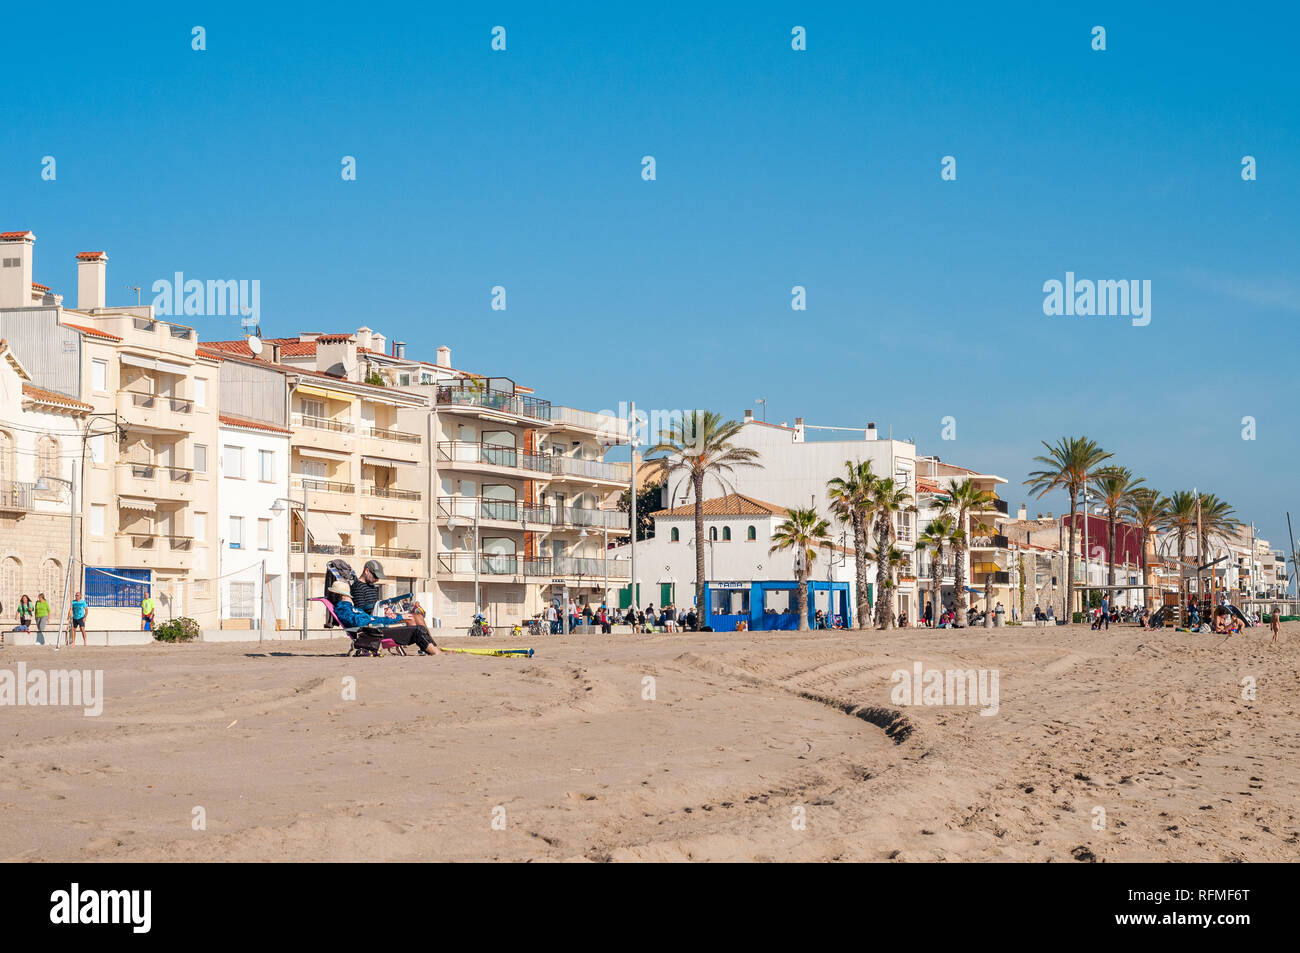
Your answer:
<point x="997" y="505"/>
<point x="537" y="568"/>
<point x="608" y="428"/>
<point x="323" y="433"/>
<point x="390" y="444"/>
<point x="328" y="495"/>
<point x="463" y="508"/>
<point x="485" y="397"/>
<point x="154" y="551"/>
<point x="454" y="453"/>
<point x="581" y="518"/>
<point x="155" y="481"/>
<point x="16" y="497"/>
<point x="390" y="503"/>
<point x="144" y="411"/>
<point x="136" y="329"/>
<point x="562" y="467"/>
<point x="1000" y="578"/>
<point x="397" y="560"/>
<point x="989" y="541"/>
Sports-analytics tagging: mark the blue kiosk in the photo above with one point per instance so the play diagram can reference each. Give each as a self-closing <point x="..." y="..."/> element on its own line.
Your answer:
<point x="770" y="605"/>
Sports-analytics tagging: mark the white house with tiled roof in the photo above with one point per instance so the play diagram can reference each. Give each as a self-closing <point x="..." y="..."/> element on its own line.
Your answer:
<point x="738" y="532"/>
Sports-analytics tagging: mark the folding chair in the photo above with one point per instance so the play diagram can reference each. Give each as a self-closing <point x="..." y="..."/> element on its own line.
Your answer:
<point x="366" y="639"/>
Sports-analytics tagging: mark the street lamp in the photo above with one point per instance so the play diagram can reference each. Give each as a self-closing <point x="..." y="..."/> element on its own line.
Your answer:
<point x="43" y="484"/>
<point x="306" y="544"/>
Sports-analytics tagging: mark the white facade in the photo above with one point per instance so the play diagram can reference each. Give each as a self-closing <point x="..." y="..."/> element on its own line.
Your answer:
<point x="253" y="463"/>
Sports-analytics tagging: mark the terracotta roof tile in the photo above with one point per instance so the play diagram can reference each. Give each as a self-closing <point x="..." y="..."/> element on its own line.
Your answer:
<point x="49" y="397"/>
<point x="254" y="424"/>
<point x="14" y="236"/>
<point x="733" y="504"/>
<point x="40" y="287"/>
<point x="94" y="332"/>
<point x="92" y="256"/>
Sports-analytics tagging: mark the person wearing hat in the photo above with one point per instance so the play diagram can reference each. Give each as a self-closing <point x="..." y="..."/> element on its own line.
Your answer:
<point x="402" y="631"/>
<point x="364" y="592"/>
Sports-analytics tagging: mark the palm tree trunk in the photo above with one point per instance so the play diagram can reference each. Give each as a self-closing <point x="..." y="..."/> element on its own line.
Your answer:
<point x="936" y="576"/>
<point x="882" y="574"/>
<point x="1069" y="567"/>
<point x="1146" y="593"/>
<point x="1110" y="562"/>
<point x="697" y="481"/>
<point x="863" y="609"/>
<point x="959" y="581"/>
<point x="803" y="600"/>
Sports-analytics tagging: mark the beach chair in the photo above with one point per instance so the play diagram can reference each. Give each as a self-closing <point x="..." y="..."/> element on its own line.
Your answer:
<point x="366" y="640"/>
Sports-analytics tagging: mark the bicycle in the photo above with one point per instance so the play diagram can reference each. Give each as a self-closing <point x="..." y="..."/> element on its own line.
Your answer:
<point x="480" y="628"/>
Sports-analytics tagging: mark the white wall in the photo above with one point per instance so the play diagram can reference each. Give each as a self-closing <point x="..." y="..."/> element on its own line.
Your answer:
<point x="252" y="498"/>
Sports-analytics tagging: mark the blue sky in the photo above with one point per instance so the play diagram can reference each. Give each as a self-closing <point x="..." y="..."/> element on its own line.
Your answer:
<point x="775" y="168"/>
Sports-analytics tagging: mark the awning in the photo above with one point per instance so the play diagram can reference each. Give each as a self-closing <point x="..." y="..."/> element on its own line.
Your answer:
<point x="321" y="528"/>
<point x="323" y="454"/>
<point x="386" y="462"/>
<point x="322" y="392"/>
<point x="385" y="518"/>
<point x="153" y="364"/>
<point x="135" y="503"/>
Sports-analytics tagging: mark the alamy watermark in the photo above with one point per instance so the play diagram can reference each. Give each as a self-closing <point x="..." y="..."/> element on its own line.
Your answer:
<point x="1085" y="298"/>
<point x="64" y="688"/>
<point x="178" y="296"/>
<point x="951" y="687"/>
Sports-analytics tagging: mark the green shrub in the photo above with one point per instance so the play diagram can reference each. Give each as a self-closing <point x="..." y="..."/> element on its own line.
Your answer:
<point x="177" y="630"/>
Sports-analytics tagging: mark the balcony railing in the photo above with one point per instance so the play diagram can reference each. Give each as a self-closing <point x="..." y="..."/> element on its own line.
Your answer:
<point x="509" y="564"/>
<point x="16" y="497"/>
<point x="326" y="486"/>
<point x="610" y="426"/>
<point x="151" y="540"/>
<point x="596" y="469"/>
<point x="520" y="405"/>
<point x="453" y="451"/>
<point x="389" y="552"/>
<point x="321" y="423"/>
<point x="994" y="540"/>
<point x="1000" y="506"/>
<point x="324" y="549"/>
<point x="392" y="493"/>
<point x="401" y="436"/>
<point x="999" y="578"/>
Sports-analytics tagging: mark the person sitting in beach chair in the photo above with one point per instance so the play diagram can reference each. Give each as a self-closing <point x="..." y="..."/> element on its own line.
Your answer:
<point x="407" y="631"/>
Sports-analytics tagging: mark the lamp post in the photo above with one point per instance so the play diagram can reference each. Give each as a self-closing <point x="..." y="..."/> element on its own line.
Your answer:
<point x="306" y="545"/>
<point x="43" y="483"/>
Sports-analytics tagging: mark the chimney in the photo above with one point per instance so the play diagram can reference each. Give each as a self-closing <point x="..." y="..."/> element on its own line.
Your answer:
<point x="16" y="253"/>
<point x="364" y="336"/>
<point x="92" y="280"/>
<point x="1022" y="513"/>
<point x="871" y="431"/>
<point x="336" y="354"/>
<point x="798" y="430"/>
<point x="749" y="416"/>
<point x="378" y="342"/>
<point x="399" y="350"/>
<point x="444" y="356"/>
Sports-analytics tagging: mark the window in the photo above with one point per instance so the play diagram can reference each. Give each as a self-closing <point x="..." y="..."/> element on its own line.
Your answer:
<point x="266" y="465"/>
<point x="95" y="448"/>
<point x="713" y="533"/>
<point x="232" y="461"/>
<point x="201" y="391"/>
<point x="676" y="535"/>
<point x="99" y="375"/>
<point x="263" y="534"/>
<point x="11" y="576"/>
<point x="201" y="527"/>
<point x="236" y="532"/>
<point x="726" y="534"/>
<point x="243" y="600"/>
<point x="47" y="457"/>
<point x="313" y="408"/>
<point x="751" y="533"/>
<point x="97" y="519"/>
<point x="200" y="458"/>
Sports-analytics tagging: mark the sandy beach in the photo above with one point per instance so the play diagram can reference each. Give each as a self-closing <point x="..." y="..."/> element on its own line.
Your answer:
<point x="753" y="747"/>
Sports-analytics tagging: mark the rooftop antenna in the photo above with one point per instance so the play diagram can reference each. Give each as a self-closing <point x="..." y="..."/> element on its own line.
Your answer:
<point x="136" y="289"/>
<point x="763" y="401"/>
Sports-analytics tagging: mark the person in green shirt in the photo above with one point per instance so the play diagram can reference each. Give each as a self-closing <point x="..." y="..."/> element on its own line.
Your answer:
<point x="147" y="607"/>
<point x="42" y="616"/>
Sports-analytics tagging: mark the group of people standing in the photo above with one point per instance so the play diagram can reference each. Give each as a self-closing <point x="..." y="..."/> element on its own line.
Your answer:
<point x="37" y="613"/>
<point x="649" y="619"/>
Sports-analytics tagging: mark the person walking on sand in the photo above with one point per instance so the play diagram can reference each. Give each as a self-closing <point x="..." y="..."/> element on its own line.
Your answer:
<point x="42" y="616"/>
<point x="77" y="617"/>
<point x="1275" y="621"/>
<point x="147" y="608"/>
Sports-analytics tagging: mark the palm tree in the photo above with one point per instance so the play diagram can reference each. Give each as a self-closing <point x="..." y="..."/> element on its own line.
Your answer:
<point x="1217" y="520"/>
<point x="1180" y="519"/>
<point x="1147" y="509"/>
<point x="1066" y="467"/>
<point x="934" y="538"/>
<point x="887" y="499"/>
<point x="1115" y="487"/>
<point x="700" y="448"/>
<point x="964" y="498"/>
<point x="804" y="532"/>
<point x="892" y="559"/>
<point x="851" y="503"/>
